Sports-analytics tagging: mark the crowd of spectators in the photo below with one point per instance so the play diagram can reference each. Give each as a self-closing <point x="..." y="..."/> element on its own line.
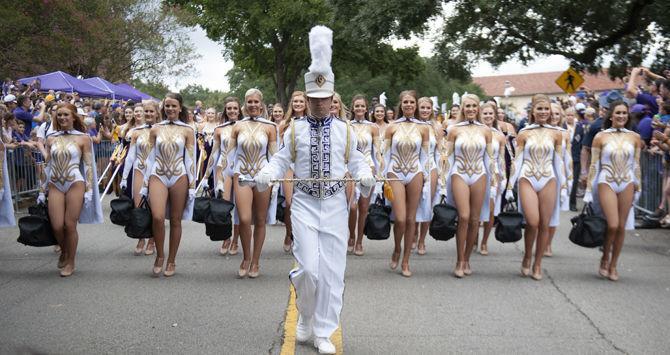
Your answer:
<point x="26" y="114"/>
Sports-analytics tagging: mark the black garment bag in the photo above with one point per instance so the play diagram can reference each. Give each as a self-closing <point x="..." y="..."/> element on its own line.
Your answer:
<point x="588" y="229"/>
<point x="121" y="208"/>
<point x="378" y="221"/>
<point x="35" y="230"/>
<point x="139" y="224"/>
<point x="509" y="224"/>
<point x="445" y="220"/>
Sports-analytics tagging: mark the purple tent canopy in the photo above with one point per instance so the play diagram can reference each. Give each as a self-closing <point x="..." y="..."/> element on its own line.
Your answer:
<point x="117" y="92"/>
<point x="137" y="92"/>
<point x="60" y="81"/>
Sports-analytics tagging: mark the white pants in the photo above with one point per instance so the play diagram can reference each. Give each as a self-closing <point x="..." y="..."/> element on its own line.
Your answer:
<point x="320" y="232"/>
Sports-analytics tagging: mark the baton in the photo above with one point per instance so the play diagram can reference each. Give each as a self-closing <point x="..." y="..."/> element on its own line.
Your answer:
<point x="245" y="180"/>
<point x="102" y="176"/>
<point x="111" y="181"/>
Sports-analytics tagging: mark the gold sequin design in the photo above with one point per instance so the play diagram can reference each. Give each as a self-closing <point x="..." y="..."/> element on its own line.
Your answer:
<point x="537" y="163"/>
<point x="253" y="154"/>
<point x="405" y="158"/>
<point x="619" y="150"/>
<point x="143" y="148"/>
<point x="364" y="138"/>
<point x="62" y="167"/>
<point x="170" y="157"/>
<point x="470" y="144"/>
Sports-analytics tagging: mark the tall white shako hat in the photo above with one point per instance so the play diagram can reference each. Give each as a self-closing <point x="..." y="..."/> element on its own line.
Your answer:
<point x="320" y="80"/>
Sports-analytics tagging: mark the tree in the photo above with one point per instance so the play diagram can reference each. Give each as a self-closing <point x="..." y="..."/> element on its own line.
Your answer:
<point x="587" y="32"/>
<point x="114" y="39"/>
<point x="269" y="39"/>
<point x="157" y="89"/>
<point x="209" y="98"/>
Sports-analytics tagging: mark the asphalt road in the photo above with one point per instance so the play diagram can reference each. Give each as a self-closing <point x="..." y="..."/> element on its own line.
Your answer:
<point x="112" y="305"/>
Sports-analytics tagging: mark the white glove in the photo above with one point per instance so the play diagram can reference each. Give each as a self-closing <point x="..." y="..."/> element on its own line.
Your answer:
<point x="263" y="180"/>
<point x="492" y="192"/>
<point x="509" y="195"/>
<point x="41" y="198"/>
<point x="636" y="197"/>
<point x="379" y="188"/>
<point x="205" y="183"/>
<point x="191" y="194"/>
<point x="368" y="181"/>
<point x="88" y="197"/>
<point x="588" y="197"/>
<point x="123" y="184"/>
<point x="144" y="191"/>
<point x="564" y="196"/>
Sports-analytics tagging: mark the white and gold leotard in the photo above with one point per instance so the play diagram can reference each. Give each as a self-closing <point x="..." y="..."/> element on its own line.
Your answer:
<point x="253" y="147"/>
<point x="64" y="158"/>
<point x="171" y="158"/>
<point x="138" y="152"/>
<point x="538" y="154"/>
<point x="404" y="155"/>
<point x="615" y="163"/>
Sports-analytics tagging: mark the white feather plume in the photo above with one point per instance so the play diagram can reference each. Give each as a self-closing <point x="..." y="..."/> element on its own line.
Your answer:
<point x="455" y="99"/>
<point x="320" y="46"/>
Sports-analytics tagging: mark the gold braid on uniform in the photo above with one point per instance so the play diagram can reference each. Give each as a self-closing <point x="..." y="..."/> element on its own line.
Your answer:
<point x="595" y="158"/>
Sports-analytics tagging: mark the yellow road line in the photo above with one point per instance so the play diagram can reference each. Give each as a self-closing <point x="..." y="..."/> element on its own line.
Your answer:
<point x="290" y="322"/>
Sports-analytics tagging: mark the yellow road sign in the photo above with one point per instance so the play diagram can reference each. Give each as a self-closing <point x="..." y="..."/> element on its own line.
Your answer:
<point x="570" y="81"/>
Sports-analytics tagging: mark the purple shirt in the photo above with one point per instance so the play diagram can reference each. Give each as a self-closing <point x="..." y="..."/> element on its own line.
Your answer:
<point x="26" y="117"/>
<point x="644" y="129"/>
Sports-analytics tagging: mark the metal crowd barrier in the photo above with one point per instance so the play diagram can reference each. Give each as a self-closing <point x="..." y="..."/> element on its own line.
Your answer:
<point x="652" y="168"/>
<point x="26" y="165"/>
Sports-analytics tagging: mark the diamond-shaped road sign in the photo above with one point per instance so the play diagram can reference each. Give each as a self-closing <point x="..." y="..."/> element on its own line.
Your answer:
<point x="570" y="81"/>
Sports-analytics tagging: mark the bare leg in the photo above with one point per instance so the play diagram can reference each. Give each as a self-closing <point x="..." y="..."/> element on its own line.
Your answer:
<point x="363" y="204"/>
<point x="244" y="200"/>
<point x="56" y="208"/>
<point x="158" y="195"/>
<point x="398" y="204"/>
<point x="178" y="194"/>
<point x="74" y="200"/>
<point x="412" y="196"/>
<point x="423" y="226"/>
<point x="488" y="226"/>
<point x="530" y="205"/>
<point x="353" y="219"/>
<point x="477" y="197"/>
<point x="548" y="251"/>
<point x="547" y="204"/>
<point x="261" y="202"/>
<point x="227" y="195"/>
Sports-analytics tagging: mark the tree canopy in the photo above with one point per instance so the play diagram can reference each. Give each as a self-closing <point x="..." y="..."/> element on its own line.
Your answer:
<point x="269" y="39"/>
<point x="590" y="33"/>
<point x="115" y="39"/>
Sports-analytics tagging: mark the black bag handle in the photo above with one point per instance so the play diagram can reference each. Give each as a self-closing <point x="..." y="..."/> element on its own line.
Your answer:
<point x="511" y="206"/>
<point x="144" y="203"/>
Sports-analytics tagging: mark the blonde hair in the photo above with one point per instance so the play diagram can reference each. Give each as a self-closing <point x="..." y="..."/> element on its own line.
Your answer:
<point x="561" y="113"/>
<point x="154" y="104"/>
<point x="461" y="110"/>
<point x="251" y="92"/>
<point x="342" y="113"/>
<point x="537" y="98"/>
<point x="493" y="107"/>
<point x="430" y="102"/>
<point x="289" y="110"/>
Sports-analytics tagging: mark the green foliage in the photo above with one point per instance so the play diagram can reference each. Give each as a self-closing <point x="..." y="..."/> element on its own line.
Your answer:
<point x="590" y="33"/>
<point x="269" y="39"/>
<point x="429" y="82"/>
<point x="209" y="98"/>
<point x="114" y="39"/>
<point x="156" y="89"/>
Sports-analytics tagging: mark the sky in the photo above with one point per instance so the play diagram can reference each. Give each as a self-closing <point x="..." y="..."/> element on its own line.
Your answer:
<point x="211" y="67"/>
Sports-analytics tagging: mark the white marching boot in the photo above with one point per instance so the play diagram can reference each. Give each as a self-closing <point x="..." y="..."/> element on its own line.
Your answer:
<point x="303" y="331"/>
<point x="324" y="345"/>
